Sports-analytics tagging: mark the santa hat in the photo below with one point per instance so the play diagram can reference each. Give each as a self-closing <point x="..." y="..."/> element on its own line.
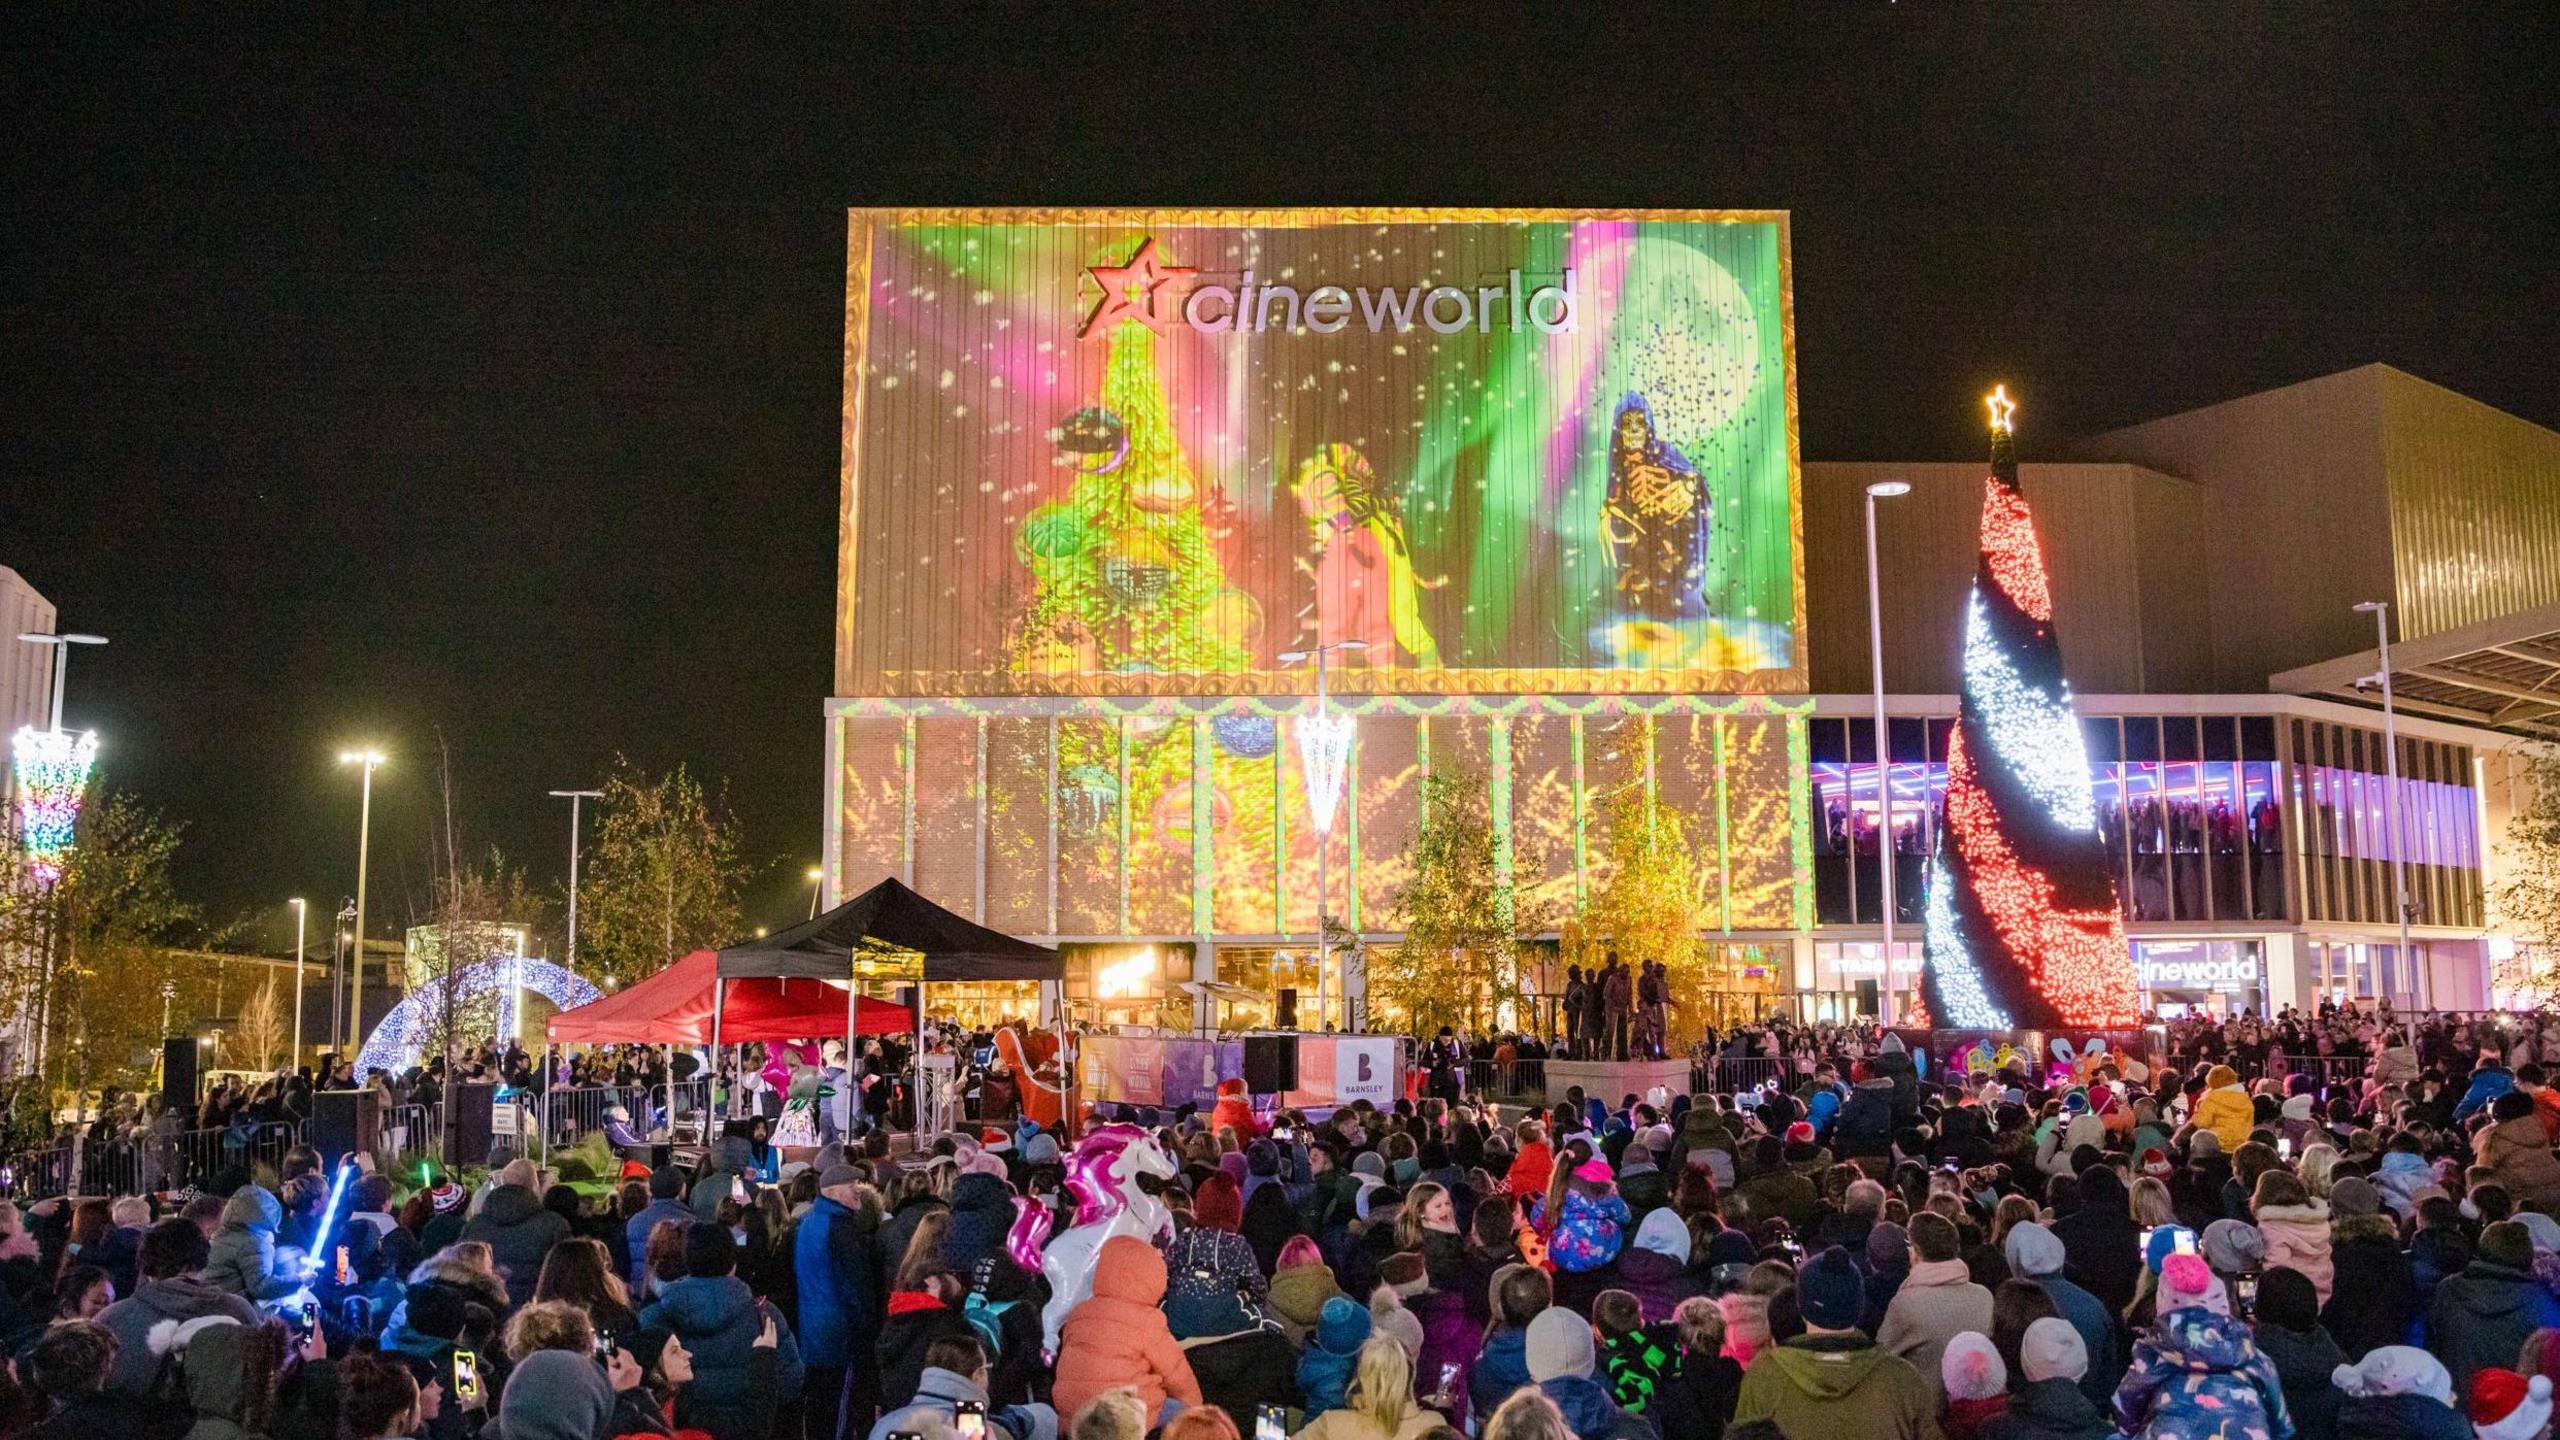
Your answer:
<point x="1800" y="1133"/>
<point x="2507" y="1406"/>
<point x="2155" y="1163"/>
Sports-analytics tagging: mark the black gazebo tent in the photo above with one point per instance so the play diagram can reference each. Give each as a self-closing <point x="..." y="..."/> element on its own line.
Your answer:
<point x="887" y="917"/>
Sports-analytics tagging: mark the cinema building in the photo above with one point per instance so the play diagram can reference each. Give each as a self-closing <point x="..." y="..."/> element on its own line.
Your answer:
<point x="1095" y="548"/>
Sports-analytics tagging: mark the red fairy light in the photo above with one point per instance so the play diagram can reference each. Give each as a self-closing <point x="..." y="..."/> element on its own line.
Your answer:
<point x="2077" y="959"/>
<point x="2009" y="547"/>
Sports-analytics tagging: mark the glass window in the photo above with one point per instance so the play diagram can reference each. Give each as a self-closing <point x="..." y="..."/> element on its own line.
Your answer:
<point x="2257" y="737"/>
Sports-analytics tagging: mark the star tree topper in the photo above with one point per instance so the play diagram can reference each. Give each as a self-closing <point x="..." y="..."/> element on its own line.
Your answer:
<point x="1130" y="291"/>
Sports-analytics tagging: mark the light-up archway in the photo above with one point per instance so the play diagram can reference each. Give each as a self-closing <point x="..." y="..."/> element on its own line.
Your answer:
<point x="403" y="1036"/>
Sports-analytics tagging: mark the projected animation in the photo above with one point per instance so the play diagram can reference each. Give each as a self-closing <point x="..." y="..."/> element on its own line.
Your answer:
<point x="1134" y="455"/>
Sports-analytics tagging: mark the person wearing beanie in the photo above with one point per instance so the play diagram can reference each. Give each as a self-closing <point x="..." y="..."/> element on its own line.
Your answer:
<point x="2196" y="1371"/>
<point x="1300" y="1285"/>
<point x="1564" y="1361"/>
<point x="2048" y="1403"/>
<point x="1118" y="1335"/>
<point x="2398" y="1390"/>
<point x="2504" y="1405"/>
<point x="1833" y="1380"/>
<point x="2033" y="1254"/>
<point x="2373" y="1294"/>
<point x="1590" y="1223"/>
<point x="2224" y="1109"/>
<point x="2233" y="1248"/>
<point x="955" y="1374"/>
<point x="1325" y="1367"/>
<point x="1216" y="1286"/>
<point x="1937" y="1302"/>
<point x="2286" y="1319"/>
<point x="1888" y="1264"/>
<point x="554" y="1395"/>
<point x="2482" y="1316"/>
<point x="1976" y="1380"/>
<point x="1655" y="1267"/>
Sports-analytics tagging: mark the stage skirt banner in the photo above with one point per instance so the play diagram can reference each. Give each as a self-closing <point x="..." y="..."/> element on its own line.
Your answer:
<point x="1169" y="1071"/>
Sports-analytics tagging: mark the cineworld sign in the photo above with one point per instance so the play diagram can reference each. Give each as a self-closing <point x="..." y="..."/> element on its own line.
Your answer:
<point x="1157" y="294"/>
<point x="2196" y="974"/>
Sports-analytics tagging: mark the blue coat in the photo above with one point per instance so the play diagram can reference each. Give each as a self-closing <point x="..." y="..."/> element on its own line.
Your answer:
<point x="2486" y="1086"/>
<point x="718" y="1319"/>
<point x="2197" y="1375"/>
<point x="635" y="1232"/>
<point x="1500" y="1368"/>
<point x="837" y="1264"/>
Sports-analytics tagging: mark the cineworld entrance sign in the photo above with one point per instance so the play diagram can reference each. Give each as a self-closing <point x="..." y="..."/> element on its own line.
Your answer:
<point x="1157" y="294"/>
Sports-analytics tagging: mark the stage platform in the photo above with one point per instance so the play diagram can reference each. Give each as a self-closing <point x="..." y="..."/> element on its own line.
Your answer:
<point x="1609" y="1081"/>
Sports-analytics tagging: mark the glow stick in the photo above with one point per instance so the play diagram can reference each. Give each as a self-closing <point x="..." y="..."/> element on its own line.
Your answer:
<point x="329" y="1212"/>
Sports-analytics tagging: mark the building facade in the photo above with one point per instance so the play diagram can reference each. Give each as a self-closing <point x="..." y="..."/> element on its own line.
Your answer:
<point x="1009" y="740"/>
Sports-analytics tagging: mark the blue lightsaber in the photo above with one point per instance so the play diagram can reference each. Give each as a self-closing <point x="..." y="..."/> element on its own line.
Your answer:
<point x="329" y="1212"/>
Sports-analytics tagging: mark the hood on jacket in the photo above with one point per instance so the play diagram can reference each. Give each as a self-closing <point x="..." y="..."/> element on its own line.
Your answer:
<point x="2197" y="1339"/>
<point x="696" y="1303"/>
<point x="511" y="1205"/>
<point x="180" y="1298"/>
<point x="254" y="1206"/>
<point x="2054" y="1406"/>
<point x="1129" y="1269"/>
<point x="1664" y="1233"/>
<point x="555" y="1395"/>
<point x="1826" y="1368"/>
<point x="981" y="1214"/>
<point x="2488" y="1291"/>
<point x="217" y="1358"/>
<point x="1299" y="1292"/>
<point x="1587" y="1408"/>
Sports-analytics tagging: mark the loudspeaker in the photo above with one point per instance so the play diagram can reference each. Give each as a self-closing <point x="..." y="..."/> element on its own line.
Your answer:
<point x="1271" y="1063"/>
<point x="468" y="1129"/>
<point x="178" y="1071"/>
<point x="343" y="1121"/>
<point x="1870" y="998"/>
<point x="1285" y="1009"/>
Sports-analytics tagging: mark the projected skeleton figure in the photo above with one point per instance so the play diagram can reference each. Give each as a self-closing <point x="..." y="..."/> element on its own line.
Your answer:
<point x="1655" y="519"/>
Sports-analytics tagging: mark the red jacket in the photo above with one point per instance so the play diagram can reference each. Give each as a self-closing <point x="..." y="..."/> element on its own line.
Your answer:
<point x="1529" y="1171"/>
<point x="1119" y="1335"/>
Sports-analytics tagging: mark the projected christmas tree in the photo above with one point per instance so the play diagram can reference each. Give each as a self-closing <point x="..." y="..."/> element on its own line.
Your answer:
<point x="2022" y="925"/>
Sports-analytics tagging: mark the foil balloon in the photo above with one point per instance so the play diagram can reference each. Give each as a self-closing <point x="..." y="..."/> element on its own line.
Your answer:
<point x="1103" y="1177"/>
<point x="1030" y="1233"/>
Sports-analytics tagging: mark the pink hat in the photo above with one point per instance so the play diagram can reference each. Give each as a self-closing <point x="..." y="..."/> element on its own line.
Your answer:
<point x="2189" y="1281"/>
<point x="1594" y="1171"/>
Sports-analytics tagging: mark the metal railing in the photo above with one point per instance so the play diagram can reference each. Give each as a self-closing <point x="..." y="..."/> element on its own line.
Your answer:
<point x="1508" y="1080"/>
<point x="1733" y="1074"/>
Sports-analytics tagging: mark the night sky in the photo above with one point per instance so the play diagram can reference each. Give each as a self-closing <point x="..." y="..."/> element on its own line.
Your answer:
<point x="480" y="387"/>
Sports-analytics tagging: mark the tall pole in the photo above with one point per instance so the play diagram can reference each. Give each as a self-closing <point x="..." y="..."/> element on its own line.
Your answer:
<point x="2421" y="985"/>
<point x="301" y="913"/>
<point x="1324" y="881"/>
<point x="364" y="854"/>
<point x="574" y="797"/>
<point x="338" y="978"/>
<point x="1883" y="489"/>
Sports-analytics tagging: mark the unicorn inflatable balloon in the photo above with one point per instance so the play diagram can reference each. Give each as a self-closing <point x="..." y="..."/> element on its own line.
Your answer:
<point x="1103" y="1176"/>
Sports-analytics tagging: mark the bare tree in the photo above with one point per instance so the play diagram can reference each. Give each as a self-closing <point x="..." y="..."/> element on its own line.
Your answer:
<point x="257" y="1037"/>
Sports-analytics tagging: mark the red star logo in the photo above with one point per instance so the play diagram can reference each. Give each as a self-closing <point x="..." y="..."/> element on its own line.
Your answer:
<point x="1130" y="291"/>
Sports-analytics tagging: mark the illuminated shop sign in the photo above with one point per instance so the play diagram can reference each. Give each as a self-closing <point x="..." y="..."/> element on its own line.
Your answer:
<point x="2224" y="974"/>
<point x="1152" y="291"/>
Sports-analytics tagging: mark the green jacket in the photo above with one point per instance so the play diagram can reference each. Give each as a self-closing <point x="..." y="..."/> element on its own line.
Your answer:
<point x="1837" y="1385"/>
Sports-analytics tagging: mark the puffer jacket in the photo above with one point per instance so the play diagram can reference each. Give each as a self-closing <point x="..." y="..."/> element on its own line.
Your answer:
<point x="1500" y="1368"/>
<point x="2373" y="1299"/>
<point x="835" y="1257"/>
<point x="2400" y="1177"/>
<point x="718" y="1318"/>
<point x="2297" y="1238"/>
<point x="1118" y="1337"/>
<point x="2520" y="1152"/>
<point x="520" y="1234"/>
<point x="2046" y="1410"/>
<point x="1588" y="1231"/>
<point x="2400" y="1417"/>
<point x="1836" y="1385"/>
<point x="2304" y="1363"/>
<point x="1298" y="1293"/>
<point x="2228" y="1114"/>
<point x="1865" y="1122"/>
<point x="1591" y="1414"/>
<point x="217" y="1388"/>
<point x="243" y="1257"/>
<point x="2197" y="1375"/>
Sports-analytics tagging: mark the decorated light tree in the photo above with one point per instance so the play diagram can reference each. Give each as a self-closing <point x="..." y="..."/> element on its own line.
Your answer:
<point x="1127" y="574"/>
<point x="2023" y="929"/>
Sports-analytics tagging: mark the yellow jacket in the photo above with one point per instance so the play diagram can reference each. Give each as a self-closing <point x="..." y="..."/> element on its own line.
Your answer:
<point x="2228" y="1114"/>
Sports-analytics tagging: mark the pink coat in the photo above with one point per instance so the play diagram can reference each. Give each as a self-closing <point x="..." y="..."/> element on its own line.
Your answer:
<point x="2297" y="1238"/>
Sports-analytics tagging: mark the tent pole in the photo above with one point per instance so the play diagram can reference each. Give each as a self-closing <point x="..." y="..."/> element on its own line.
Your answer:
<point x="670" y="1049"/>
<point x="711" y="1086"/>
<point x="542" y="1104"/>
<point x="852" y="1004"/>
<point x="915" y="1097"/>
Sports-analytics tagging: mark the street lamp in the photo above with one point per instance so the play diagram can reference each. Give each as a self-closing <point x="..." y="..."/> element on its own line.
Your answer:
<point x="364" y="851"/>
<point x="817" y="886"/>
<point x="575" y="799"/>
<point x="338" y="976"/>
<point x="61" y="660"/>
<point x="1882" y="490"/>
<point x="301" y="912"/>
<point x="2420" y="985"/>
<point x="1322" y="750"/>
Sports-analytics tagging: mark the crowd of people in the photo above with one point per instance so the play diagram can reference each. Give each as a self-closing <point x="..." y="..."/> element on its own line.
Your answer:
<point x="2149" y="1247"/>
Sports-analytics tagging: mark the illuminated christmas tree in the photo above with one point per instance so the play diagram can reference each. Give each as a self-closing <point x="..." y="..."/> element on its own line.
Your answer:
<point x="2022" y="924"/>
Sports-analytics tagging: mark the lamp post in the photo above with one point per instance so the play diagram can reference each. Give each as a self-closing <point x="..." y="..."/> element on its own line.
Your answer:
<point x="301" y="913"/>
<point x="338" y="978"/>
<point x="817" y="887"/>
<point x="2420" y="987"/>
<point x="364" y="852"/>
<point x="1882" y="490"/>
<point x="575" y="798"/>
<point x="61" y="660"/>
<point x="1320" y="810"/>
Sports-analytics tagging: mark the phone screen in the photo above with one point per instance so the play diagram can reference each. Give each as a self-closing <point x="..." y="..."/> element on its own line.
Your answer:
<point x="346" y="1271"/>
<point x="310" y="1315"/>
<point x="970" y="1418"/>
<point x="2185" y="1244"/>
<point x="607" y="1347"/>
<point x="2144" y="1248"/>
<point x="466" y="1379"/>
<point x="2284" y="1148"/>
<point x="738" y="1189"/>
<point x="2244" y="1291"/>
<point x="1267" y="1423"/>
